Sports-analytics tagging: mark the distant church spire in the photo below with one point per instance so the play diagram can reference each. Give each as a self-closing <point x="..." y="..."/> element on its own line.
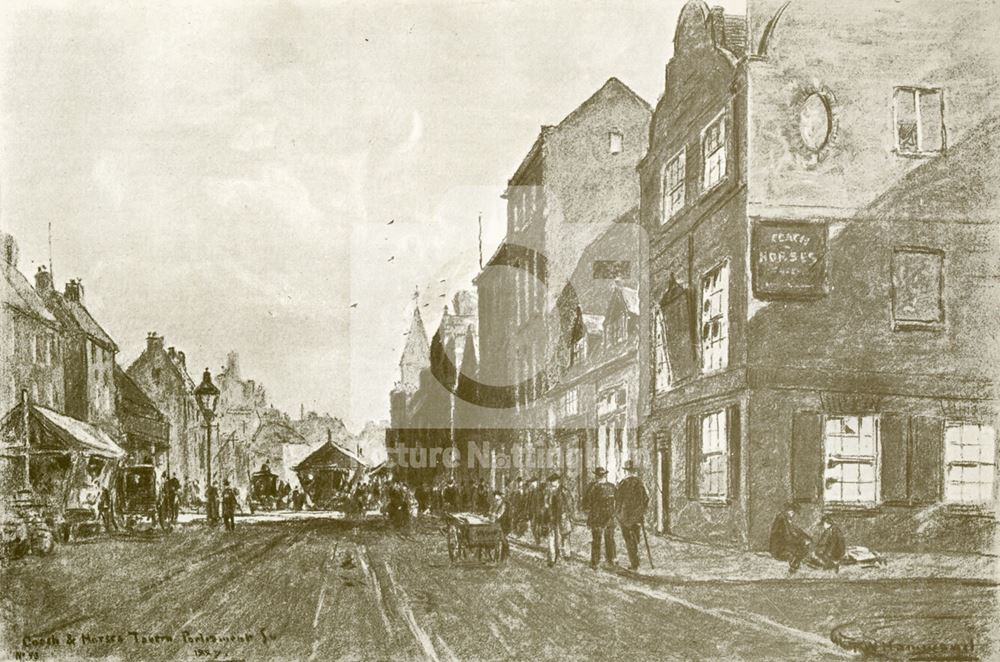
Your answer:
<point x="416" y="353"/>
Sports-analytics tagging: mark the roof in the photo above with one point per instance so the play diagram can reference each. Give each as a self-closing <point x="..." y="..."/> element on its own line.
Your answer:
<point x="133" y="395"/>
<point x="330" y="456"/>
<point x="19" y="293"/>
<point x="417" y="349"/>
<point x="537" y="146"/>
<point x="958" y="184"/>
<point x="77" y="314"/>
<point x="68" y="433"/>
<point x="631" y="298"/>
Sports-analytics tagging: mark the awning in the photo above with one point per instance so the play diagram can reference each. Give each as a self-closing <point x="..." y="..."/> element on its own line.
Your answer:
<point x="59" y="433"/>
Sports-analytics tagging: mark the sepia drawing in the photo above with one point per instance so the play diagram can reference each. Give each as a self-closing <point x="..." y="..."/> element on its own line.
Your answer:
<point x="533" y="330"/>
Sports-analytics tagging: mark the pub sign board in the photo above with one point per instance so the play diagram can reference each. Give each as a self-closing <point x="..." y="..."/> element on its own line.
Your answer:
<point x="789" y="259"/>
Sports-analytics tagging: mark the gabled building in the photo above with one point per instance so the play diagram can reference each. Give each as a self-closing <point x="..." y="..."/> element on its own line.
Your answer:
<point x="31" y="346"/>
<point x="822" y="239"/>
<point x="241" y="402"/>
<point x="88" y="355"/>
<point x="145" y="430"/>
<point x="162" y="374"/>
<point x="576" y="181"/>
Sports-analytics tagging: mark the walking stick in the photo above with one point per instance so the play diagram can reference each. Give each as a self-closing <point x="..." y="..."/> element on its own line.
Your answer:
<point x="649" y="553"/>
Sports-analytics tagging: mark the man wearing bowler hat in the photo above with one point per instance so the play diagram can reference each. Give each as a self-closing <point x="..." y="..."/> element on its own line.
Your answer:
<point x="631" y="501"/>
<point x="599" y="504"/>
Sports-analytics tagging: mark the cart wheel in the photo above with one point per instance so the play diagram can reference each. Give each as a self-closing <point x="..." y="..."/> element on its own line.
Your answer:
<point x="452" y="543"/>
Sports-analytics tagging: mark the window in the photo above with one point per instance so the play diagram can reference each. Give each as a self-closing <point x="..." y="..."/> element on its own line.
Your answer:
<point x="569" y="403"/>
<point x="156" y="375"/>
<point x="970" y="460"/>
<point x="662" y="373"/>
<point x="673" y="186"/>
<point x="715" y="318"/>
<point x="713" y="151"/>
<point x="917" y="288"/>
<point x="93" y="353"/>
<point x="611" y="269"/>
<point x="918" y="118"/>
<point x="40" y="344"/>
<point x="851" y="469"/>
<point x="713" y="478"/>
<point x="54" y="349"/>
<point x="618" y="328"/>
<point x="616" y="142"/>
<point x="578" y="352"/>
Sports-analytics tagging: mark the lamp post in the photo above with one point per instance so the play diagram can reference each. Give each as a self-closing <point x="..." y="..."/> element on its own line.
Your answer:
<point x="207" y="396"/>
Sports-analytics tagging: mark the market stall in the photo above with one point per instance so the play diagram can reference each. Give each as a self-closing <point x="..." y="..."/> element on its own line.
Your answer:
<point x="56" y="464"/>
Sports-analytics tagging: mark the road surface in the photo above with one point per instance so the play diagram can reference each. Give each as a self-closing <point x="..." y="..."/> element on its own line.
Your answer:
<point x="317" y="589"/>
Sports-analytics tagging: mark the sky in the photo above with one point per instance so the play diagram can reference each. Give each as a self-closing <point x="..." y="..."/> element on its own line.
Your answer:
<point x="235" y="175"/>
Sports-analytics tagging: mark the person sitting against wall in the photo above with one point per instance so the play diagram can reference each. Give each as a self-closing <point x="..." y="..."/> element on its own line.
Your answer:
<point x="788" y="542"/>
<point x="830" y="548"/>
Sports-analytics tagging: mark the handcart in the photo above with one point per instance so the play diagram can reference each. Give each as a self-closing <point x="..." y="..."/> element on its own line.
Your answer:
<point x="467" y="532"/>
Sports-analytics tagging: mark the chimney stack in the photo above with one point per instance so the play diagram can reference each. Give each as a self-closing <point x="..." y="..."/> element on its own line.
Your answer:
<point x="74" y="291"/>
<point x="180" y="359"/>
<point x="43" y="280"/>
<point x="171" y="352"/>
<point x="154" y="343"/>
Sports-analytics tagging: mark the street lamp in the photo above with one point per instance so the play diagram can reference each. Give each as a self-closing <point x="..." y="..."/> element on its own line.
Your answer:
<point x="207" y="396"/>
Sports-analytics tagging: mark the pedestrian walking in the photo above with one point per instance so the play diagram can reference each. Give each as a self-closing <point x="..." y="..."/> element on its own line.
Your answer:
<point x="104" y="510"/>
<point x="175" y="501"/>
<point x="212" y="503"/>
<point x="228" y="506"/>
<point x="535" y="502"/>
<point x="500" y="513"/>
<point x="599" y="504"/>
<point x="552" y="511"/>
<point x="631" y="501"/>
<point x="450" y="496"/>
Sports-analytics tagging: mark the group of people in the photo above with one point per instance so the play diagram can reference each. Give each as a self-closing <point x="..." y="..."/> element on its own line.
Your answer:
<point x="789" y="542"/>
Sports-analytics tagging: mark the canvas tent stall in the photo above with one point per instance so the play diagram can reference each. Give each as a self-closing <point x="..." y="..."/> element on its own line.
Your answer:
<point x="328" y="472"/>
<point x="61" y="462"/>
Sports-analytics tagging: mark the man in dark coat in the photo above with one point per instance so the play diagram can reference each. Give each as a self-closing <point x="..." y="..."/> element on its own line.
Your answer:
<point x="599" y="504"/>
<point x="212" y="503"/>
<point x="450" y="496"/>
<point x="631" y="501"/>
<point x="787" y="541"/>
<point x="830" y="548"/>
<point x="228" y="506"/>
<point x="175" y="501"/>
<point x="551" y="513"/>
<point x="536" y="506"/>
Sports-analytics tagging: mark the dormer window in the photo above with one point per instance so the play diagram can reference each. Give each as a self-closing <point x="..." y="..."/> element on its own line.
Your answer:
<point x="616" y="142"/>
<point x="578" y="353"/>
<point x="618" y="329"/>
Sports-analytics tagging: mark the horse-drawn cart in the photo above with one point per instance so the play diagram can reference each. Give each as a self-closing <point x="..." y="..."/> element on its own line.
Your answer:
<point x="467" y="531"/>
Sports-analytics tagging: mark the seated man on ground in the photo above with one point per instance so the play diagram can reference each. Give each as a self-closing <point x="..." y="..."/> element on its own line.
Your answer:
<point x="788" y="542"/>
<point x="830" y="548"/>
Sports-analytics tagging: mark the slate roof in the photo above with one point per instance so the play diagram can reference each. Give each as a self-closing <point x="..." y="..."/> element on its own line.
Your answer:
<point x="19" y="293"/>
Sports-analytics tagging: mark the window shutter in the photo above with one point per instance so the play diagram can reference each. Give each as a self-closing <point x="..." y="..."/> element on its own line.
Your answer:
<point x="733" y="434"/>
<point x="894" y="433"/>
<point x="928" y="456"/>
<point x="679" y="334"/>
<point x="693" y="463"/>
<point x="807" y="456"/>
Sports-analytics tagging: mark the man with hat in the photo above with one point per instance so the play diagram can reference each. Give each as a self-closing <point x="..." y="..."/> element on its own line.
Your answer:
<point x="788" y="542"/>
<point x="599" y="504"/>
<point x="631" y="501"/>
<point x="553" y="509"/>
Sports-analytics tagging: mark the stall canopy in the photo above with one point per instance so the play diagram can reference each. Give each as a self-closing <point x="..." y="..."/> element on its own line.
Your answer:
<point x="58" y="432"/>
<point x="330" y="456"/>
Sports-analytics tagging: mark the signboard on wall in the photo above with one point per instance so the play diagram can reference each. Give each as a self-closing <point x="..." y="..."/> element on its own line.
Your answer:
<point x="788" y="259"/>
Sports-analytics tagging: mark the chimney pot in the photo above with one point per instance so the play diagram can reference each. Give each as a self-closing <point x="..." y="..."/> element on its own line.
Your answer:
<point x="154" y="342"/>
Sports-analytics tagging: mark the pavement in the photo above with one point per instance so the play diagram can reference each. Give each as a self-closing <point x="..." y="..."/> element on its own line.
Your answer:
<point x="328" y="588"/>
<point x="676" y="561"/>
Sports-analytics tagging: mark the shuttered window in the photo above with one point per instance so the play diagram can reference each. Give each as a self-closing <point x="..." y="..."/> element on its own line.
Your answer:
<point x="693" y="459"/>
<point x="927" y="459"/>
<point x="895" y="458"/>
<point x="713" y="475"/>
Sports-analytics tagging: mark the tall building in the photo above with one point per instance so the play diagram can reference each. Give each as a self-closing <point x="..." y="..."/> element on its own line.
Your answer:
<point x="238" y="414"/>
<point x="576" y="181"/>
<point x="88" y="355"/>
<point x="822" y="241"/>
<point x="162" y="374"/>
<point x="31" y="345"/>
